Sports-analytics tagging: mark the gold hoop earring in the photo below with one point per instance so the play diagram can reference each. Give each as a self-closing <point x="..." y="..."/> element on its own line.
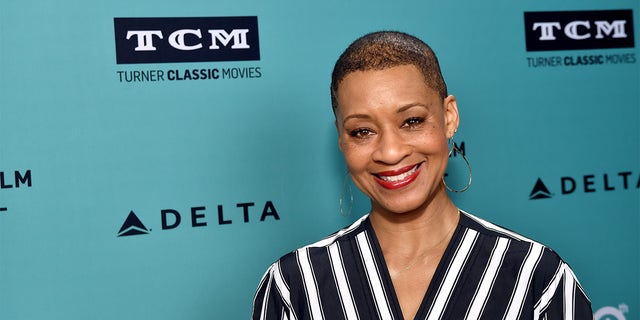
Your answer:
<point x="345" y="186"/>
<point x="455" y="148"/>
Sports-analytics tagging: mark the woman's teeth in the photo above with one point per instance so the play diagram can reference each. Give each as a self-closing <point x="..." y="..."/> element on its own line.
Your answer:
<point x="399" y="177"/>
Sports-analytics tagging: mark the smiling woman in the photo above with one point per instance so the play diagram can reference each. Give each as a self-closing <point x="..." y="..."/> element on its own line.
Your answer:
<point x="393" y="131"/>
<point x="415" y="255"/>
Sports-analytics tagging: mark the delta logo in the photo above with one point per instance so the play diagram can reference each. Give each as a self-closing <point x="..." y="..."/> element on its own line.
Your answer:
<point x="588" y="183"/>
<point x="132" y="226"/>
<point x="245" y="212"/>
<point x="540" y="191"/>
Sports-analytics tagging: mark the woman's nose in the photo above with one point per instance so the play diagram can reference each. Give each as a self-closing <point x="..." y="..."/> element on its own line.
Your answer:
<point x="391" y="148"/>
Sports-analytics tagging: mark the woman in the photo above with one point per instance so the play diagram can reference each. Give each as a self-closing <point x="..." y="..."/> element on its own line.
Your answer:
<point x="415" y="255"/>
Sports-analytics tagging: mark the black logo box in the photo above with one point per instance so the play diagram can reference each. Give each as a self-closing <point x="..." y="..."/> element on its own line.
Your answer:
<point x="164" y="53"/>
<point x="562" y="42"/>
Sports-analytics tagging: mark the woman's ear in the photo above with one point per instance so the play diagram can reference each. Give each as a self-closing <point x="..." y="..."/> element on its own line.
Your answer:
<point x="451" y="115"/>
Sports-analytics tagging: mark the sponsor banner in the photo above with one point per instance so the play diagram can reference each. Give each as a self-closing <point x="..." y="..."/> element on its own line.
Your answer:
<point x="163" y="40"/>
<point x="199" y="146"/>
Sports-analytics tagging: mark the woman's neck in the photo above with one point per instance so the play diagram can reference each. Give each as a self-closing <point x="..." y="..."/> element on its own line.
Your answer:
<point x="412" y="233"/>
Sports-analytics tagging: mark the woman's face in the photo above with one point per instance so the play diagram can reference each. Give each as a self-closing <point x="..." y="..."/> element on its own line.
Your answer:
<point x="393" y="131"/>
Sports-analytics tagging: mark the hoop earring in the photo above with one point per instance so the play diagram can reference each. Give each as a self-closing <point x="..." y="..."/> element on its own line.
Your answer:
<point x="457" y="150"/>
<point x="345" y="187"/>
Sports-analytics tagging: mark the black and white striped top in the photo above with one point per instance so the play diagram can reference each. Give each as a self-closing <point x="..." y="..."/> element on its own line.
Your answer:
<point x="486" y="272"/>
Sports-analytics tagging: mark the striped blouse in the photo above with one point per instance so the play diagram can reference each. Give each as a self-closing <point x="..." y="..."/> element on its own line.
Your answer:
<point x="486" y="272"/>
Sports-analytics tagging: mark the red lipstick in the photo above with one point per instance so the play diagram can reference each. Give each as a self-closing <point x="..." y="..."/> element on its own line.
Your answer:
<point x="397" y="184"/>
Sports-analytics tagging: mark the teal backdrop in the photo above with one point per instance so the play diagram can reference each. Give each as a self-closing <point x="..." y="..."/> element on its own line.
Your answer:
<point x="127" y="198"/>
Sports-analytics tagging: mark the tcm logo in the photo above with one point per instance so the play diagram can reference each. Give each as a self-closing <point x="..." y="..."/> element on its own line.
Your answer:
<point x="588" y="183"/>
<point x="160" y="40"/>
<point x="575" y="30"/>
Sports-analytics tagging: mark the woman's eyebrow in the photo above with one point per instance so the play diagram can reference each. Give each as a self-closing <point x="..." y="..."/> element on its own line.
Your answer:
<point x="412" y="105"/>
<point x="356" y="116"/>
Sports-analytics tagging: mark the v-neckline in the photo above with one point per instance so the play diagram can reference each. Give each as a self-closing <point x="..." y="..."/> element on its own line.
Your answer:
<point x="438" y="275"/>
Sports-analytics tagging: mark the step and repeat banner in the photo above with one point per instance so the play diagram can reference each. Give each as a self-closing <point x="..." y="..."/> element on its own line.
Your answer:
<point x="157" y="156"/>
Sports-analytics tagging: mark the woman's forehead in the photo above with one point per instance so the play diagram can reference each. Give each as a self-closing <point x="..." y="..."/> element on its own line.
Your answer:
<point x="388" y="86"/>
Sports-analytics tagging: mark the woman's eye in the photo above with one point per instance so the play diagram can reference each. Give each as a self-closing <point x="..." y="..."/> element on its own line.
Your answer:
<point x="360" y="133"/>
<point x="413" y="122"/>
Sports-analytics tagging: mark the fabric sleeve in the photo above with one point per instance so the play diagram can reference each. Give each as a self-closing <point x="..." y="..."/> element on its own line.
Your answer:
<point x="269" y="303"/>
<point x="564" y="298"/>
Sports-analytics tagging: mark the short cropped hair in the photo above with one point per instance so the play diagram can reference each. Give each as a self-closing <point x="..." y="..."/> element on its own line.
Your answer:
<point x="386" y="49"/>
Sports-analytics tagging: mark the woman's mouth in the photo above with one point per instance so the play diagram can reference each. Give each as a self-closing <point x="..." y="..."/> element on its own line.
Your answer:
<point x="396" y="179"/>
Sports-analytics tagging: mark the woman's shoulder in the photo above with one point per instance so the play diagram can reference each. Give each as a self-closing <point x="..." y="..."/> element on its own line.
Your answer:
<point x="520" y="248"/>
<point x="530" y="270"/>
<point x="321" y="246"/>
<point x="488" y="228"/>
